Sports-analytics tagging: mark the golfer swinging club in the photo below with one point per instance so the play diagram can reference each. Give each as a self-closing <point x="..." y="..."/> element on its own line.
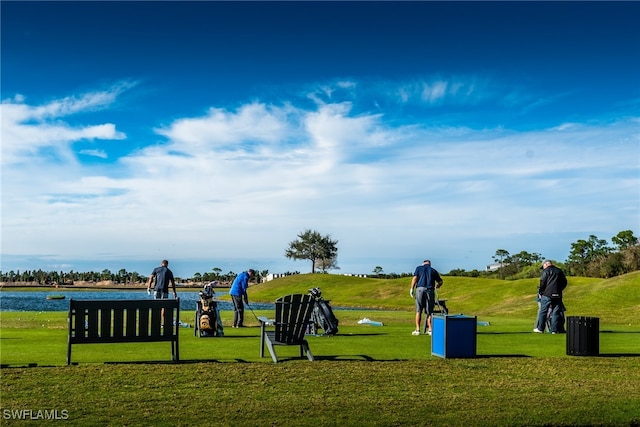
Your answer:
<point x="426" y="280"/>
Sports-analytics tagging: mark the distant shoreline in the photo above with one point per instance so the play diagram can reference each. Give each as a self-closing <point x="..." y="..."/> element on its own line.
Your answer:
<point x="106" y="284"/>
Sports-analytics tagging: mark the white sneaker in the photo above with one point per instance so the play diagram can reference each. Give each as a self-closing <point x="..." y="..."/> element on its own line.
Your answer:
<point x="428" y="332"/>
<point x="415" y="333"/>
<point x="537" y="331"/>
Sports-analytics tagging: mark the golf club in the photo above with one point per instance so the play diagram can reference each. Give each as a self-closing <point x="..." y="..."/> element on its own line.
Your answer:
<point x="252" y="312"/>
<point x="437" y="298"/>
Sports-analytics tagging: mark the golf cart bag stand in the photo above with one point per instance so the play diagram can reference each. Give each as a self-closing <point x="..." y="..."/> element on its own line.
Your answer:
<point x="439" y="307"/>
<point x="322" y="316"/>
<point x="583" y="336"/>
<point x="207" y="321"/>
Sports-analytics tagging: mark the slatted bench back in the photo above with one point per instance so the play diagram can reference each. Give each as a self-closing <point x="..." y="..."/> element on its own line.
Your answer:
<point x="119" y="321"/>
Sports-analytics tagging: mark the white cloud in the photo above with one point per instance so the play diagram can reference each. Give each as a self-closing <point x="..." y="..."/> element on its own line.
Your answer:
<point x="453" y="90"/>
<point x="94" y="153"/>
<point x="434" y="92"/>
<point x="28" y="130"/>
<point x="252" y="122"/>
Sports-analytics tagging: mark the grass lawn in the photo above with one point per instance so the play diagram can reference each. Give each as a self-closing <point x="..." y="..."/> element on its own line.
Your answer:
<point x="364" y="376"/>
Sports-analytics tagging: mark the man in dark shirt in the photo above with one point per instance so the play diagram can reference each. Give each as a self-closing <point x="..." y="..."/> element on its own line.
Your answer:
<point x="552" y="283"/>
<point x="425" y="281"/>
<point x="163" y="277"/>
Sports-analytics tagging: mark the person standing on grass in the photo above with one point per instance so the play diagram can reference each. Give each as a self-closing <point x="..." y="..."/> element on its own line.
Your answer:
<point x="424" y="282"/>
<point x="552" y="283"/>
<point x="238" y="293"/>
<point x="163" y="277"/>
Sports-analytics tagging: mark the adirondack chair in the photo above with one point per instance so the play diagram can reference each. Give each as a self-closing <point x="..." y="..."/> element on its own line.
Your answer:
<point x="292" y="318"/>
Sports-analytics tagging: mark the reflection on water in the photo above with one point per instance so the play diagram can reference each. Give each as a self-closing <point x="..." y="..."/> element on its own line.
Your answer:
<point x="37" y="300"/>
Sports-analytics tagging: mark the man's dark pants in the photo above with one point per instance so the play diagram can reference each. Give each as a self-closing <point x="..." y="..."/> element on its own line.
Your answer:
<point x="238" y="310"/>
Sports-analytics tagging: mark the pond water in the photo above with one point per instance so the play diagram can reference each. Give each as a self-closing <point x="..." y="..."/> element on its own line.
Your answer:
<point x="37" y="300"/>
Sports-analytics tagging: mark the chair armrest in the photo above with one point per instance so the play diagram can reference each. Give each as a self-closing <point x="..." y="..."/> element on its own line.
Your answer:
<point x="266" y="321"/>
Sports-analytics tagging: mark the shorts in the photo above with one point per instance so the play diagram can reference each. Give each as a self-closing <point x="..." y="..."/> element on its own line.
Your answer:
<point x="160" y="295"/>
<point x="425" y="300"/>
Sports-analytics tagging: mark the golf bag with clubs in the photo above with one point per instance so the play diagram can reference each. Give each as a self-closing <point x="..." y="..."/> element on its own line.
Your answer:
<point x="439" y="307"/>
<point x="208" y="322"/>
<point x="322" y="316"/>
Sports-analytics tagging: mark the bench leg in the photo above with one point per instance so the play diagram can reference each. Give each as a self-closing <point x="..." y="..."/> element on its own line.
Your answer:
<point x="175" y="351"/>
<point x="272" y="351"/>
<point x="304" y="348"/>
<point x="262" y="329"/>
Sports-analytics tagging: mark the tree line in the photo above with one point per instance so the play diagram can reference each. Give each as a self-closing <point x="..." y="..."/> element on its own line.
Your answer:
<point x="593" y="257"/>
<point x="122" y="277"/>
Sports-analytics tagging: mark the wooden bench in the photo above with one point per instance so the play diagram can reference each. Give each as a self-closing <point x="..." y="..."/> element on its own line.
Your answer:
<point x="124" y="321"/>
<point x="291" y="321"/>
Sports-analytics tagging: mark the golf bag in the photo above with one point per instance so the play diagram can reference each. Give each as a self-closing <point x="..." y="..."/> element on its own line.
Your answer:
<point x="208" y="322"/>
<point x="322" y="316"/>
<point x="561" y="319"/>
<point x="439" y="307"/>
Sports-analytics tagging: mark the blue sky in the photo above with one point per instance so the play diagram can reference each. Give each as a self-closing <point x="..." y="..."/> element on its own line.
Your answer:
<point x="212" y="133"/>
